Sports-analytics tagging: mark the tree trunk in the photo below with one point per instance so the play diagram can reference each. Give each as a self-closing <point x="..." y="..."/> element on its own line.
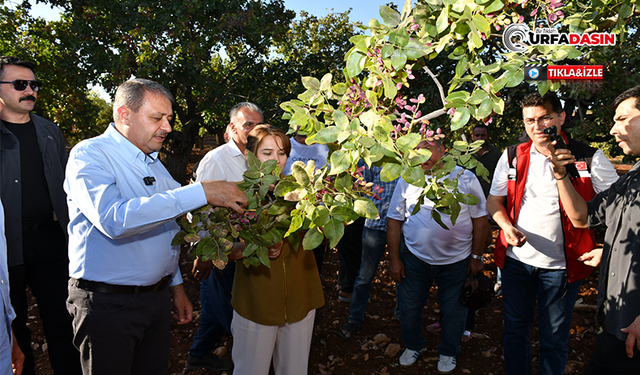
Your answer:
<point x="177" y="149"/>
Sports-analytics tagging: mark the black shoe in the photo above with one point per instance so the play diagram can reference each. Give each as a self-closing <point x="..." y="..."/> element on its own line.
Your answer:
<point x="208" y="361"/>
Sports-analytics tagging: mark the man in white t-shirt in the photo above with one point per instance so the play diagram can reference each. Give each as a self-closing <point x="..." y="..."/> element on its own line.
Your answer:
<point x="228" y="163"/>
<point x="304" y="152"/>
<point x="430" y="252"/>
<point x="538" y="248"/>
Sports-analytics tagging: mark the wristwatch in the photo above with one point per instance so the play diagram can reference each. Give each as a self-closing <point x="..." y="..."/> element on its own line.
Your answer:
<point x="478" y="257"/>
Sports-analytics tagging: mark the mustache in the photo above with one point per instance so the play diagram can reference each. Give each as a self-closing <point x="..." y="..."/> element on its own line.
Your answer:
<point x="28" y="97"/>
<point x="161" y="134"/>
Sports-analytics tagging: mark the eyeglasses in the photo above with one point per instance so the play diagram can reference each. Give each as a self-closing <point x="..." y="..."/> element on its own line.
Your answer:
<point x="544" y="120"/>
<point x="21" y="84"/>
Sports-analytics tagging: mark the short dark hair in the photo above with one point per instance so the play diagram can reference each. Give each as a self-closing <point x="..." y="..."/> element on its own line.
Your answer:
<point x="480" y="126"/>
<point x="10" y="60"/>
<point x="633" y="92"/>
<point x="131" y="94"/>
<point x="536" y="100"/>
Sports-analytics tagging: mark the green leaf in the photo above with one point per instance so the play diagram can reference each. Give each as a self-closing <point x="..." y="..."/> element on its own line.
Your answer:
<point x="543" y="87"/>
<point x="438" y="218"/>
<point x="408" y="142"/>
<point x="443" y="20"/>
<point x="178" y="239"/>
<point x="311" y="83"/>
<point x="495" y="6"/>
<point x="355" y="64"/>
<point x="417" y="157"/>
<point x="365" y="208"/>
<point x="340" y="119"/>
<point x="460" y="118"/>
<point x="249" y="249"/>
<point x="252" y="161"/>
<point x="390" y="89"/>
<point x="399" y="37"/>
<point x="263" y="255"/>
<point x="344" y="183"/>
<point x="277" y="209"/>
<point x="334" y="230"/>
<point x="398" y="59"/>
<point x="414" y="176"/>
<point x="468" y="199"/>
<point x="389" y="16"/>
<point x="340" y="162"/>
<point x="300" y="174"/>
<point x="285" y="186"/>
<point x="484" y="109"/>
<point x="478" y="97"/>
<point x="320" y="216"/>
<point x="367" y="142"/>
<point x="390" y="171"/>
<point x="415" y="49"/>
<point x="312" y="239"/>
<point x="328" y="134"/>
<point x="481" y="23"/>
<point x="297" y="219"/>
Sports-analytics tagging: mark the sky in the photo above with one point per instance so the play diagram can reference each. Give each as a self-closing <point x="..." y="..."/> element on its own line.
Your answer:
<point x="362" y="10"/>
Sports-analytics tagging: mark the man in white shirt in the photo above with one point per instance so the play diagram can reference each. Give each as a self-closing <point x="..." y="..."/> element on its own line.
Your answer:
<point x="538" y="248"/>
<point x="226" y="162"/>
<point x="430" y="252"/>
<point x="301" y="151"/>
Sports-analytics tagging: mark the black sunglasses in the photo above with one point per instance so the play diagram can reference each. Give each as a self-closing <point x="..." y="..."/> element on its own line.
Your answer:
<point x="21" y="84"/>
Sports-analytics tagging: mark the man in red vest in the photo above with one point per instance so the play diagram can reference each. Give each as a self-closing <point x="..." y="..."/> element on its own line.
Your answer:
<point x="538" y="247"/>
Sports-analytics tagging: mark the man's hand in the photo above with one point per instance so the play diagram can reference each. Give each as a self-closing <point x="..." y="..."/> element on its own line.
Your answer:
<point x="201" y="268"/>
<point x="275" y="250"/>
<point x="396" y="269"/>
<point x="475" y="266"/>
<point x="514" y="237"/>
<point x="183" y="306"/>
<point x="560" y="158"/>
<point x="225" y="194"/>
<point x="592" y="258"/>
<point x="17" y="357"/>
<point x="633" y="339"/>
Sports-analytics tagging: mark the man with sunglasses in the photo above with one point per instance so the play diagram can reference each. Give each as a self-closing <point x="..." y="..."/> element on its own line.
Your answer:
<point x="32" y="167"/>
<point x="538" y="248"/>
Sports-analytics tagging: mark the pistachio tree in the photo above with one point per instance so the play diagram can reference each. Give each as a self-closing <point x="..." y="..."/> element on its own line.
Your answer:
<point x="368" y="117"/>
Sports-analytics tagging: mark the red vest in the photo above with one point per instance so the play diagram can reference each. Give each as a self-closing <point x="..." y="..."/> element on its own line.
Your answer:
<point x="577" y="241"/>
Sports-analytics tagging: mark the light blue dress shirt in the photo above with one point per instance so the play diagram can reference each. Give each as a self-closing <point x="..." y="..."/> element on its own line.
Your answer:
<point x="7" y="311"/>
<point x="120" y="229"/>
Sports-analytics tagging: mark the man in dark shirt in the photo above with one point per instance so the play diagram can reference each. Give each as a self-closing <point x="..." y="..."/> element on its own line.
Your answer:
<point x="618" y="208"/>
<point x="32" y="166"/>
<point x="488" y="155"/>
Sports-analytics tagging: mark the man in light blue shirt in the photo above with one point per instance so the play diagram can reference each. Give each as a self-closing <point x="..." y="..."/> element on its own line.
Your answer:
<point x="122" y="206"/>
<point x="8" y="345"/>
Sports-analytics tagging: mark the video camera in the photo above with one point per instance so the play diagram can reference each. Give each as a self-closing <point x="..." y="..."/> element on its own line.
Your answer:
<point x="552" y="132"/>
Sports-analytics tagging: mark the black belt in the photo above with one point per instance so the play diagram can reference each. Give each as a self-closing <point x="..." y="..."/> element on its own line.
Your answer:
<point x="99" y="287"/>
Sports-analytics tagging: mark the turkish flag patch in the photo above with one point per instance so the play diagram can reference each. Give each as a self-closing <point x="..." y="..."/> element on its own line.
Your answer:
<point x="581" y="165"/>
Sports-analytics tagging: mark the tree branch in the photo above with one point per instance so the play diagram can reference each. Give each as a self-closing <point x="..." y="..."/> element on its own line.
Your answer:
<point x="435" y="79"/>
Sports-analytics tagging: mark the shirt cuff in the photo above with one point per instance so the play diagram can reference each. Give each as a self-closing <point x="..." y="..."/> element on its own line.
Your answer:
<point x="191" y="197"/>
<point x="177" y="277"/>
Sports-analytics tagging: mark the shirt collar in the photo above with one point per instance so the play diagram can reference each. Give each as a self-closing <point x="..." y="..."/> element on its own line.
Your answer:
<point x="234" y="147"/>
<point x="128" y="149"/>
